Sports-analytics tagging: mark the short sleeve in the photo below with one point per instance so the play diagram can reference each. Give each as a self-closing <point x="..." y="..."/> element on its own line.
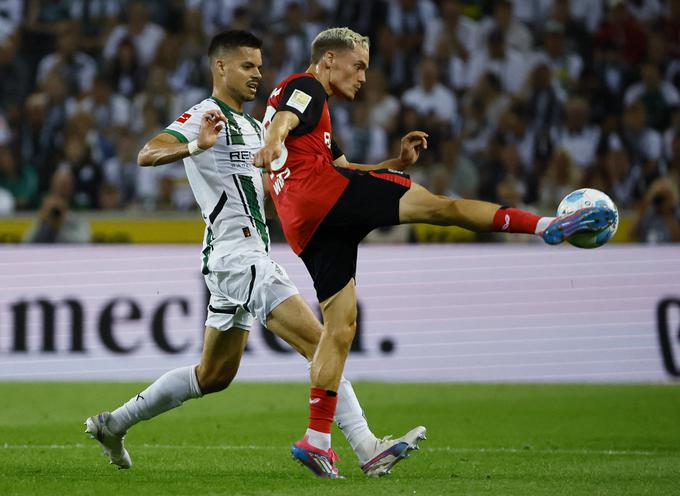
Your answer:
<point x="305" y="97"/>
<point x="336" y="151"/>
<point x="185" y="127"/>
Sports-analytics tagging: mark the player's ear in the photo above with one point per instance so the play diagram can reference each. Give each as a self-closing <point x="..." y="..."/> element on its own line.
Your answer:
<point x="329" y="58"/>
<point x="220" y="66"/>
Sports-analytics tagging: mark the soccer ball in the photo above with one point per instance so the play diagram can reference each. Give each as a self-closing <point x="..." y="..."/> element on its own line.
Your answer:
<point x="583" y="198"/>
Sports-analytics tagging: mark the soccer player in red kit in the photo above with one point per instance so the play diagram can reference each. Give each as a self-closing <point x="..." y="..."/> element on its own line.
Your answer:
<point x="327" y="206"/>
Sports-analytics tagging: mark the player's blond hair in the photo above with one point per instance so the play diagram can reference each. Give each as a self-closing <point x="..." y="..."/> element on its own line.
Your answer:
<point x="336" y="39"/>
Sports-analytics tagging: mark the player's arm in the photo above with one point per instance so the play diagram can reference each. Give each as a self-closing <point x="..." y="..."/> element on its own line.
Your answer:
<point x="166" y="148"/>
<point x="411" y="146"/>
<point x="298" y="113"/>
<point x="279" y="128"/>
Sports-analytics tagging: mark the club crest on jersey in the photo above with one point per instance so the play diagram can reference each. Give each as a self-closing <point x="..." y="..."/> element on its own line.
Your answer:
<point x="299" y="100"/>
<point x="183" y="118"/>
<point x="246" y="232"/>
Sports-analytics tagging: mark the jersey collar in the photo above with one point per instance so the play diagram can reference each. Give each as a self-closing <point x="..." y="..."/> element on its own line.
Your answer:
<point x="224" y="106"/>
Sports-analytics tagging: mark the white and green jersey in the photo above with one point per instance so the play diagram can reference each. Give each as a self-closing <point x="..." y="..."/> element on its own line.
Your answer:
<point x="227" y="187"/>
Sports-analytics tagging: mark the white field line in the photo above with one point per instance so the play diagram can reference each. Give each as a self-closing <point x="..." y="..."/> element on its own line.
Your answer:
<point x="436" y="449"/>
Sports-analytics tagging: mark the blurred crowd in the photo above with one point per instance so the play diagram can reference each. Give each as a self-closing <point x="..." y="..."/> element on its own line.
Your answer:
<point x="524" y="100"/>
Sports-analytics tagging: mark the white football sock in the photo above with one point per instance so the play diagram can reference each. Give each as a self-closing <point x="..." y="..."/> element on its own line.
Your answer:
<point x="168" y="392"/>
<point x="543" y="224"/>
<point x="318" y="439"/>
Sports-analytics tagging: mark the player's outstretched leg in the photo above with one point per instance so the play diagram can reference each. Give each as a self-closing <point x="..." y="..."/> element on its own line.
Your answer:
<point x="419" y="205"/>
<point x="222" y="351"/>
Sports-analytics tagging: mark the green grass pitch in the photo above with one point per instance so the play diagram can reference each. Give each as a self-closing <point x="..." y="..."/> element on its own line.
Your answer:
<point x="482" y="440"/>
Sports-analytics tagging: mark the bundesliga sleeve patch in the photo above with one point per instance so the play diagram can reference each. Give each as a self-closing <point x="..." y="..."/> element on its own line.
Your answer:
<point x="183" y="118"/>
<point x="299" y="100"/>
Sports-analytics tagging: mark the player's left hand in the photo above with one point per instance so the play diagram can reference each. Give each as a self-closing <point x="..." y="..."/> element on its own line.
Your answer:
<point x="411" y="146"/>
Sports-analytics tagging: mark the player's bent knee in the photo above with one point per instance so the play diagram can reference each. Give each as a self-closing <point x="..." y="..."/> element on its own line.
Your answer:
<point x="214" y="381"/>
<point x="343" y="335"/>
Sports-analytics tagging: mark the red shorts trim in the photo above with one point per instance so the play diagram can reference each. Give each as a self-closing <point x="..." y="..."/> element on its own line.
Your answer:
<point x="395" y="178"/>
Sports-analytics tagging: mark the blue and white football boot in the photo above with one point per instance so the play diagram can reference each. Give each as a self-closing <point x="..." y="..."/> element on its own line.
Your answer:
<point x="585" y="220"/>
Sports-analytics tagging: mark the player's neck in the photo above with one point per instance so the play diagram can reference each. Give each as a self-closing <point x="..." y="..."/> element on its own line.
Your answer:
<point x="322" y="76"/>
<point x="229" y="100"/>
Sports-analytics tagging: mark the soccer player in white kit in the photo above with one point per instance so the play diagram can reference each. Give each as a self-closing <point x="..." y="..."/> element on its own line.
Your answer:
<point x="217" y="140"/>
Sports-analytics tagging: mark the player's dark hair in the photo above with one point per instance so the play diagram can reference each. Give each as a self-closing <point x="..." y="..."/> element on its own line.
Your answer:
<point x="232" y="39"/>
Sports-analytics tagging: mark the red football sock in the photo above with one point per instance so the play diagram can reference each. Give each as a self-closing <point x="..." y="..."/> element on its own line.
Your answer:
<point x="515" y="220"/>
<point x="322" y="405"/>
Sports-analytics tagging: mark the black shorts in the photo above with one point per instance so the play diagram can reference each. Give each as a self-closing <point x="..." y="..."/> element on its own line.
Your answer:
<point x="370" y="200"/>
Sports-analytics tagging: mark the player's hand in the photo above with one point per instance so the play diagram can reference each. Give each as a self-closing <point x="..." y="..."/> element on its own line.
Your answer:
<point x="212" y="123"/>
<point x="411" y="146"/>
<point x="266" y="155"/>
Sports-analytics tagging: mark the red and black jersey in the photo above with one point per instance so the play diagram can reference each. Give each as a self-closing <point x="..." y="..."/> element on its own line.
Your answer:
<point x="306" y="185"/>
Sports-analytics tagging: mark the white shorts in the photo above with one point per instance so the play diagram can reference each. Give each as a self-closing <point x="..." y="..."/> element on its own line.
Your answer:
<point x="245" y="288"/>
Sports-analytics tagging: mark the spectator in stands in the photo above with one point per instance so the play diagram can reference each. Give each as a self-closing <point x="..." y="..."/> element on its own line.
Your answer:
<point x="145" y="35"/>
<point x="75" y="67"/>
<point x="620" y="177"/>
<point x="383" y="106"/>
<point x="121" y="173"/>
<point x="670" y="26"/>
<point x="512" y="128"/>
<point x="126" y="74"/>
<point x="658" y="218"/>
<point x="515" y="34"/>
<point x="157" y="92"/>
<point x="458" y="31"/>
<point x="561" y="178"/>
<point x="431" y="98"/>
<point x="14" y="80"/>
<point x="670" y="135"/>
<point x="645" y="11"/>
<point x="20" y="181"/>
<point x="407" y="19"/>
<point x="10" y="21"/>
<point x="509" y="65"/>
<point x="366" y="142"/>
<point x="183" y="73"/>
<point x="495" y="101"/>
<point x="96" y="19"/>
<point x="390" y="58"/>
<point x="298" y="32"/>
<point x="658" y="96"/>
<point x="42" y="135"/>
<point x="566" y="66"/>
<point x="215" y="15"/>
<point x="111" y="111"/>
<point x="642" y="143"/>
<point x="577" y="136"/>
<point x="56" y="223"/>
<point x="623" y="32"/>
<point x="87" y="176"/>
<point x="577" y="32"/>
<point x="462" y="174"/>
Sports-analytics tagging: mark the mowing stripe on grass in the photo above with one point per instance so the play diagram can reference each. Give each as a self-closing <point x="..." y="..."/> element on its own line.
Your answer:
<point x="439" y="449"/>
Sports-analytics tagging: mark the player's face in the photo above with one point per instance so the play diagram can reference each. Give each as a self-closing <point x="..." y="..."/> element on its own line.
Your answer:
<point x="241" y="73"/>
<point x="348" y="71"/>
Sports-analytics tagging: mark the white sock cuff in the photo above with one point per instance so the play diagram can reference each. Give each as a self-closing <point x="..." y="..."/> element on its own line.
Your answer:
<point x="543" y="224"/>
<point x="193" y="383"/>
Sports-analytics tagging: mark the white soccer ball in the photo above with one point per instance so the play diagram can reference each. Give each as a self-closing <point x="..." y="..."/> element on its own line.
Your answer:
<point x="583" y="198"/>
